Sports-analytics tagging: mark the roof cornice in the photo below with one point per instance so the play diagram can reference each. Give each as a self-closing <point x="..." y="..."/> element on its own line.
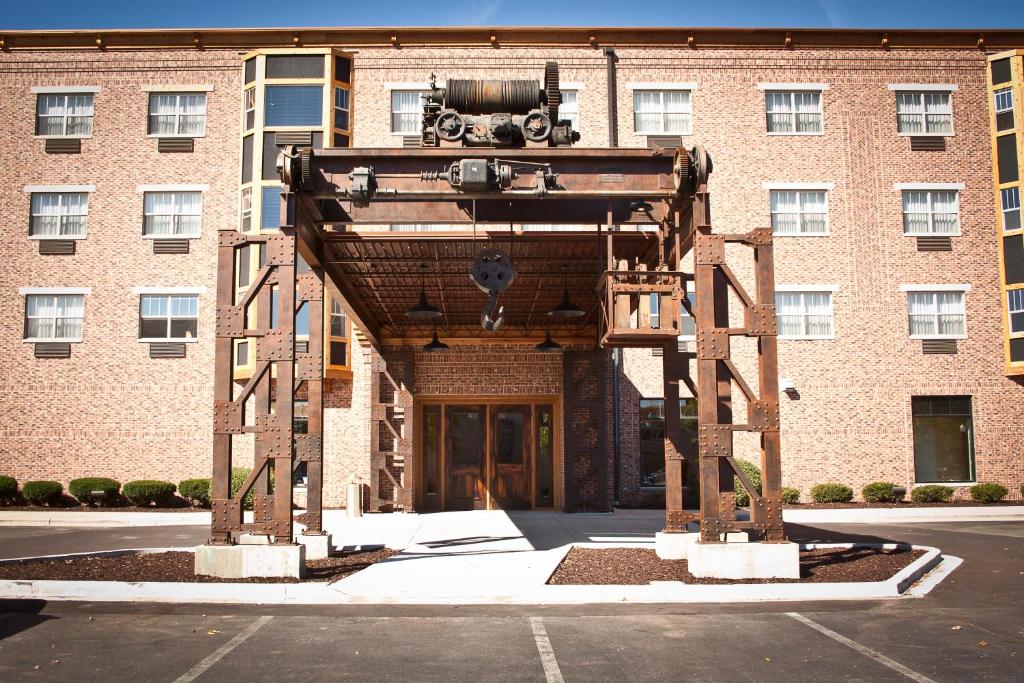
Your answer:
<point x="511" y="36"/>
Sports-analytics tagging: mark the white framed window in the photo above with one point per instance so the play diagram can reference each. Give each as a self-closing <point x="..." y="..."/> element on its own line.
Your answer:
<point x="569" y="109"/>
<point x="937" y="314"/>
<point x="1015" y="308"/>
<point x="58" y="215"/>
<point x="246" y="209"/>
<point x="54" y="317"/>
<point x="804" y="314"/>
<point x="342" y="108"/>
<point x="64" y="115"/>
<point x="924" y="113"/>
<point x="931" y="212"/>
<point x="172" y="214"/>
<point x="177" y="114"/>
<point x="1010" y="198"/>
<point x="793" y="112"/>
<point x="168" y="317"/>
<point x="406" y="111"/>
<point x="657" y="112"/>
<point x="1003" y="100"/>
<point x="249" y="109"/>
<point x="799" y="212"/>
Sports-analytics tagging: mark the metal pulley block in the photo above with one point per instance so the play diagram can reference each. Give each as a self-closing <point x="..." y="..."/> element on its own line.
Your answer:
<point x="493" y="272"/>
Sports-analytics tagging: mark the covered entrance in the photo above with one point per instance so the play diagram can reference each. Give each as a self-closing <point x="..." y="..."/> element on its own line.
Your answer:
<point x="495" y="453"/>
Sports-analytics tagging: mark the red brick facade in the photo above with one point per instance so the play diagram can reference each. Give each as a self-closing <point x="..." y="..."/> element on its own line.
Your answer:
<point x="112" y="410"/>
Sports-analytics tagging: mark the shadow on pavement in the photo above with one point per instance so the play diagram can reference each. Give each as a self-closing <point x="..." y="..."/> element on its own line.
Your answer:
<point x="21" y="615"/>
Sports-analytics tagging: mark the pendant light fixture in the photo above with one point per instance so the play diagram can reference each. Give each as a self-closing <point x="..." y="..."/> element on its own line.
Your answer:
<point x="566" y="309"/>
<point x="435" y="345"/>
<point x="549" y="345"/>
<point x="424" y="310"/>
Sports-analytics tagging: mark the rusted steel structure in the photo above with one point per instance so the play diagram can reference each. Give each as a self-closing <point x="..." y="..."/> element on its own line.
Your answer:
<point x="329" y="195"/>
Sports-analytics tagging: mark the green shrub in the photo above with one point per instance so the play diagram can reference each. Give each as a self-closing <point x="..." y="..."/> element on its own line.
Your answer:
<point x="881" y="492"/>
<point x="754" y="475"/>
<point x="149" y="492"/>
<point x="831" y="493"/>
<point x="196" y="491"/>
<point x="238" y="477"/>
<point x="790" y="495"/>
<point x="82" y="489"/>
<point x="988" y="493"/>
<point x="932" y="493"/>
<point x="42" y="492"/>
<point x="8" y="490"/>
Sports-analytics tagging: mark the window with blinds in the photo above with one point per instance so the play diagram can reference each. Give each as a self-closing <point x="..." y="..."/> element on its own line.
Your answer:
<point x="793" y="113"/>
<point x="59" y="215"/>
<point x="293" y="105"/>
<point x="54" y="317"/>
<point x="931" y="212"/>
<point x="172" y="214"/>
<point x="937" y="315"/>
<point x="799" y="212"/>
<point x="62" y="115"/>
<point x="661" y="112"/>
<point x="406" y="111"/>
<point x="177" y="114"/>
<point x="804" y="315"/>
<point x="924" y="113"/>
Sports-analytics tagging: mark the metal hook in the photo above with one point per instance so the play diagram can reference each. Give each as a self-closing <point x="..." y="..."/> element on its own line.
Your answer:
<point x="492" y="317"/>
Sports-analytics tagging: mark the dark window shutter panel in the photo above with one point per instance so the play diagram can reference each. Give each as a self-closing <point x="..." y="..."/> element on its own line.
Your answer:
<point x="63" y="146"/>
<point x="1004" y="120"/>
<point x="927" y="143"/>
<point x="167" y="350"/>
<point x="938" y="346"/>
<point x="175" y="145"/>
<point x="53" y="350"/>
<point x="411" y="141"/>
<point x="302" y="138"/>
<point x="57" y="247"/>
<point x="934" y="244"/>
<point x="164" y="246"/>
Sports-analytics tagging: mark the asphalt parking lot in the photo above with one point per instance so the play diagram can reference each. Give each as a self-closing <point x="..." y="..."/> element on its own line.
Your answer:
<point x="971" y="626"/>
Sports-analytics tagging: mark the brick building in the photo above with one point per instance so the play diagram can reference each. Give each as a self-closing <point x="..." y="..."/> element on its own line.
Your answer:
<point x="869" y="154"/>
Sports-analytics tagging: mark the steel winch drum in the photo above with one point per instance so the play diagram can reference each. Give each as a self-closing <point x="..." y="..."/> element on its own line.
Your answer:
<point x="492" y="96"/>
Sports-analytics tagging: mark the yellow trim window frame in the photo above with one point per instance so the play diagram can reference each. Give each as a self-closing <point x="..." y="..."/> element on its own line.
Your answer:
<point x="337" y="337"/>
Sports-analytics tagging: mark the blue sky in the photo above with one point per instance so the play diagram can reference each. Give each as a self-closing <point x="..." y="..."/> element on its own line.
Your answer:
<point x="90" y="14"/>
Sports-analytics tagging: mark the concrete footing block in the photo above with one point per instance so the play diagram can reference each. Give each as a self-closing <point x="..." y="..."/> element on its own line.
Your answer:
<point x="317" y="547"/>
<point x="744" y="560"/>
<point x="673" y="546"/>
<point x="245" y="561"/>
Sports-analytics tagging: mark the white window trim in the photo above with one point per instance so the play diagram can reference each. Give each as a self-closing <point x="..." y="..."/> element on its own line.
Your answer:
<point x="66" y="90"/>
<point x="29" y="189"/>
<point x="687" y="85"/>
<point x="995" y="99"/>
<point x="24" y="291"/>
<point x="924" y="87"/>
<point x="899" y="187"/>
<point x="831" y="290"/>
<point x="797" y="186"/>
<point x="793" y="86"/>
<point x="169" y="291"/>
<point x="415" y="85"/>
<point x="828" y="225"/>
<point x="669" y="87"/>
<point x="170" y="87"/>
<point x="425" y="88"/>
<point x="572" y="85"/>
<point x="172" y="188"/>
<point x="183" y="90"/>
<point x="931" y="213"/>
<point x="937" y="288"/>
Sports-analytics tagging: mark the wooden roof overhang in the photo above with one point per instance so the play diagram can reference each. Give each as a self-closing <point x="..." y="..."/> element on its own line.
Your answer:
<point x="378" y="273"/>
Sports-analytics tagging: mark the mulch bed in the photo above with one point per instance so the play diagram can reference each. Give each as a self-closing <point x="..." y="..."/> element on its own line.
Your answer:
<point x="178" y="566"/>
<point x="640" y="566"/>
<point x="902" y="504"/>
<point x="95" y="508"/>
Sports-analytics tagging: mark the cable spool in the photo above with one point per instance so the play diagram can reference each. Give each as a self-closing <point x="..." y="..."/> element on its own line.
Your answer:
<point x="492" y="96"/>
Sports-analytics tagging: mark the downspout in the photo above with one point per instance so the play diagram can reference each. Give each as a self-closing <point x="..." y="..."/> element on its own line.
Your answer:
<point x="613" y="141"/>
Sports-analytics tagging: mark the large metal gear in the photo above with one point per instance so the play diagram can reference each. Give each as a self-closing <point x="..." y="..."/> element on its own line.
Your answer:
<point x="552" y="93"/>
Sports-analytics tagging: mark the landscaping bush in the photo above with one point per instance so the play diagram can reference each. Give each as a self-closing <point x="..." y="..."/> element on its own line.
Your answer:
<point x="881" y="492"/>
<point x="149" y="492"/>
<point x="238" y="477"/>
<point x="988" y="493"/>
<point x="790" y="495"/>
<point x="8" y="490"/>
<point x="82" y="489"/>
<point x="831" y="493"/>
<point x="932" y="493"/>
<point x="196" y="491"/>
<point x="753" y="473"/>
<point x="42" y="492"/>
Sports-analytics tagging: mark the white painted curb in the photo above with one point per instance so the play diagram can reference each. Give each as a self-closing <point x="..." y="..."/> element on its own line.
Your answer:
<point x="908" y="515"/>
<point x="65" y="518"/>
<point x="323" y="594"/>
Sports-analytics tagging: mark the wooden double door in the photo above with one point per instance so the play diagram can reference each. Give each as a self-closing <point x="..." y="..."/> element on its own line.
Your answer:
<point x="480" y="456"/>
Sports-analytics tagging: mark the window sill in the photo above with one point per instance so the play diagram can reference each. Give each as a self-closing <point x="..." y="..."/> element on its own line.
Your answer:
<point x="62" y="137"/>
<point x="179" y="137"/>
<point x="932" y="234"/>
<point x="171" y="237"/>
<point x="954" y="484"/>
<point x="36" y="340"/>
<point x="165" y="340"/>
<point x="664" y="132"/>
<point x="926" y="135"/>
<point x="828" y="338"/>
<point x="940" y="337"/>
<point x="801" y="234"/>
<point x="56" y="237"/>
<point x="779" y="134"/>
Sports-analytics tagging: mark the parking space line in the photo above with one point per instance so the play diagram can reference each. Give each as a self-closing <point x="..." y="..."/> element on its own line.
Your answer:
<point x="218" y="654"/>
<point x="547" y="655"/>
<point x="866" y="651"/>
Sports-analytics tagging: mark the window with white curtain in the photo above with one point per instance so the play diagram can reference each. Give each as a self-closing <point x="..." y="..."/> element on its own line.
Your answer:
<point x="173" y="214"/>
<point x="1015" y="306"/>
<point x="931" y="212"/>
<point x="937" y="315"/>
<point x="67" y="116"/>
<point x="657" y="112"/>
<point x="924" y="113"/>
<point x="54" y="317"/>
<point x="793" y="113"/>
<point x="1010" y="198"/>
<point x="406" y="111"/>
<point x="1003" y="100"/>
<point x="168" y="316"/>
<point x="799" y="212"/>
<point x="59" y="215"/>
<point x="569" y="109"/>
<point x="177" y="114"/>
<point x="804" y="315"/>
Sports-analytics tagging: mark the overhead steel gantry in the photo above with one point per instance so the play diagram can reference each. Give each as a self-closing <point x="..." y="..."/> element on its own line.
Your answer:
<point x="326" y="191"/>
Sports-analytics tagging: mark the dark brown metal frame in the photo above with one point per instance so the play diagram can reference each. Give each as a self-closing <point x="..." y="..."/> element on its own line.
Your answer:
<point x="610" y="186"/>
